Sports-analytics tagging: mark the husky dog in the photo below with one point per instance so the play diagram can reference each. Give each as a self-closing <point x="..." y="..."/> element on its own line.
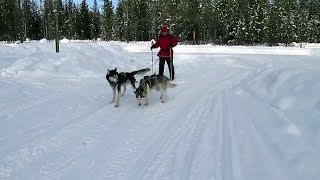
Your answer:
<point x="148" y="83"/>
<point x="116" y="80"/>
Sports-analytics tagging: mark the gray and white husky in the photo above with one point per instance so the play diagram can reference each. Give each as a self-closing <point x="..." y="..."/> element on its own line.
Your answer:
<point x="154" y="82"/>
<point x="117" y="80"/>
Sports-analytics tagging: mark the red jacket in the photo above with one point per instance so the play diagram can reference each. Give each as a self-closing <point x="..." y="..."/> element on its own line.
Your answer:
<point x="165" y="43"/>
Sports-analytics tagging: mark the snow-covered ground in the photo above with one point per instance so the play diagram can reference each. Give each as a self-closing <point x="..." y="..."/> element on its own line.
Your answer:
<point x="238" y="113"/>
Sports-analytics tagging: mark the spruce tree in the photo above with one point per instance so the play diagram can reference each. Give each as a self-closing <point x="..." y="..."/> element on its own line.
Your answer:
<point x="84" y="21"/>
<point x="95" y="21"/>
<point x="4" y="21"/>
<point x="273" y="25"/>
<point x="314" y="20"/>
<point x="49" y="19"/>
<point x="35" y="22"/>
<point x="286" y="26"/>
<point x="107" y="20"/>
<point x="190" y="21"/>
<point x="301" y="22"/>
<point x="260" y="20"/>
<point x="143" y="22"/>
<point x="58" y="8"/>
<point x="208" y="21"/>
<point x="71" y="20"/>
<point x="120" y="22"/>
<point x="228" y="21"/>
<point x="243" y="28"/>
<point x="31" y="20"/>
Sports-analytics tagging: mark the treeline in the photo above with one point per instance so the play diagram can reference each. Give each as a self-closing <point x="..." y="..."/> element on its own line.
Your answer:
<point x="234" y="22"/>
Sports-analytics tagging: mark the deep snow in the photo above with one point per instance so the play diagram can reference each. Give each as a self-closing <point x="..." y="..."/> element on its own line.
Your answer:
<point x="242" y="113"/>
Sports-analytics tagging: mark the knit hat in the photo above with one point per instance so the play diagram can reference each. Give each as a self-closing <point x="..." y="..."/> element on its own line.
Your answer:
<point x="164" y="29"/>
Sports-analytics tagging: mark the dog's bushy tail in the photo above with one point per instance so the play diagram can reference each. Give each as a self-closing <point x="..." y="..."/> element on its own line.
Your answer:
<point x="141" y="71"/>
<point x="171" y="85"/>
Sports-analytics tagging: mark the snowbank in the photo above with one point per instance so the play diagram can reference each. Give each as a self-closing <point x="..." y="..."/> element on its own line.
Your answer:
<point x="237" y="113"/>
<point x="44" y="40"/>
<point x="64" y="40"/>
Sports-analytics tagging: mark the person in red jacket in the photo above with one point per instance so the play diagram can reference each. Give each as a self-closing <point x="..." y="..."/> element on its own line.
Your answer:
<point x="166" y="41"/>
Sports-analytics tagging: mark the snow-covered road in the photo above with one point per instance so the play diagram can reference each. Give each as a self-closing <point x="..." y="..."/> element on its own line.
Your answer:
<point x="238" y="113"/>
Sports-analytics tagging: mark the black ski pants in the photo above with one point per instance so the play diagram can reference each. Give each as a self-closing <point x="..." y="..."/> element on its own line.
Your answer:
<point x="170" y="66"/>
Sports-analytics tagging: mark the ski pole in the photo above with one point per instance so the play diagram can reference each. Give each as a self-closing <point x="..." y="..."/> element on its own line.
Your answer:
<point x="152" y="60"/>
<point x="171" y="64"/>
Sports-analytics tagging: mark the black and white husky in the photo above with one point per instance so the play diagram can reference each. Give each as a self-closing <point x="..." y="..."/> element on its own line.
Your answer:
<point x="153" y="82"/>
<point x="117" y="80"/>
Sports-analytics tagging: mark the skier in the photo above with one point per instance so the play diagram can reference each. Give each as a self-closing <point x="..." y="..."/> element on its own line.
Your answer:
<point x="166" y="41"/>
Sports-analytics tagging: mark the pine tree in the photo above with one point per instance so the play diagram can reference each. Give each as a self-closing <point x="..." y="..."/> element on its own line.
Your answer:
<point x="48" y="19"/>
<point x="78" y="23"/>
<point x="273" y="25"/>
<point x="26" y="14"/>
<point x="84" y="21"/>
<point x="251" y="21"/>
<point x="130" y="21"/>
<point x="143" y="22"/>
<point x="71" y="20"/>
<point x="31" y="20"/>
<point x="243" y="14"/>
<point x="244" y="22"/>
<point x="287" y="27"/>
<point x="260" y="20"/>
<point x="156" y="16"/>
<point x="189" y="23"/>
<point x="208" y="21"/>
<point x="301" y="22"/>
<point x="20" y="20"/>
<point x="58" y="7"/>
<point x="35" y="28"/>
<point x="41" y="16"/>
<point x="4" y="21"/>
<point x="228" y="21"/>
<point x="95" y="20"/>
<point x="120" y="22"/>
<point x="11" y="29"/>
<point x="107" y="20"/>
<point x="314" y="20"/>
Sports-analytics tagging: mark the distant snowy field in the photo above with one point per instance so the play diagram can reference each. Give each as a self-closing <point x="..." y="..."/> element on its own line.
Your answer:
<point x="238" y="113"/>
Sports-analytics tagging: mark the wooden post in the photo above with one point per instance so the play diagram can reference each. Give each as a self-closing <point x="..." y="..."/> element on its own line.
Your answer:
<point x="57" y="27"/>
<point x="194" y="37"/>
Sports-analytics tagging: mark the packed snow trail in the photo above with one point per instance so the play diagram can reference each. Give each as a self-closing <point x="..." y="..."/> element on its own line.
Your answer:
<point x="232" y="116"/>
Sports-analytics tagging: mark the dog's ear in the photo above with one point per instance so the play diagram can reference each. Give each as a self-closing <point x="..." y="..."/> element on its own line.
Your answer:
<point x="115" y="69"/>
<point x="108" y="71"/>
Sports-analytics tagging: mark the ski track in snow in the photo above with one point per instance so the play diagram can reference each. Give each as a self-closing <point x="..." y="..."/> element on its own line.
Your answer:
<point x="230" y="117"/>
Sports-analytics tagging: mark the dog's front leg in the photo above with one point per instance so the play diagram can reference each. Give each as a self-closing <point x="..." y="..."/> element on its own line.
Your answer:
<point x="114" y="95"/>
<point x="163" y="95"/>
<point x="118" y="96"/>
<point x="147" y="101"/>
<point x="147" y="96"/>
